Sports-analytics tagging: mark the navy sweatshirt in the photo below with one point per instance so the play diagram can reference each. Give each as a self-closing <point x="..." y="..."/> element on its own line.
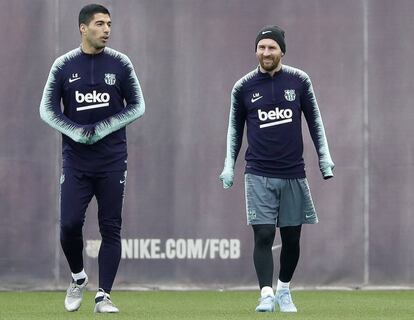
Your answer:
<point x="92" y="89"/>
<point x="272" y="109"/>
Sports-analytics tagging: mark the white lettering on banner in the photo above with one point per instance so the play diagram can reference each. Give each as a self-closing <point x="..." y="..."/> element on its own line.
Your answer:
<point x="173" y="249"/>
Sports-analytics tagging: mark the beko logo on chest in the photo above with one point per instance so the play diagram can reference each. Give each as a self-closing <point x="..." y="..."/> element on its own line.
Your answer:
<point x="280" y="115"/>
<point x="97" y="100"/>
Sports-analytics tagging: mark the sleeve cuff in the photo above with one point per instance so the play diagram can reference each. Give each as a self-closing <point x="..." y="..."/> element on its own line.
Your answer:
<point x="327" y="173"/>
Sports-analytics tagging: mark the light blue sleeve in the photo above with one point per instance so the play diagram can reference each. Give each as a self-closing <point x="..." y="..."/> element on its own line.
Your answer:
<point x="51" y="112"/>
<point x="237" y="118"/>
<point x="316" y="128"/>
<point x="134" y="109"/>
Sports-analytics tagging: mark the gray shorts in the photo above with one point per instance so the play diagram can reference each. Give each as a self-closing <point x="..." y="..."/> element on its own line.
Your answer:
<point x="282" y="202"/>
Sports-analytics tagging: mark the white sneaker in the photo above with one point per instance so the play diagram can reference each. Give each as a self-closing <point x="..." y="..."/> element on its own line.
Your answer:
<point x="284" y="300"/>
<point x="267" y="304"/>
<point x="74" y="295"/>
<point x="104" y="303"/>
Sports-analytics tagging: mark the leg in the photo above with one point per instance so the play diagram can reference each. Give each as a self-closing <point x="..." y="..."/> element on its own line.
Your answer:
<point x="76" y="193"/>
<point x="109" y="193"/>
<point x="264" y="235"/>
<point x="289" y="258"/>
<point x="289" y="255"/>
<point x="262" y="206"/>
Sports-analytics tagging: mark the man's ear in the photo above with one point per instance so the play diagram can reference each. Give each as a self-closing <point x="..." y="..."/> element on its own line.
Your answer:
<point x="82" y="28"/>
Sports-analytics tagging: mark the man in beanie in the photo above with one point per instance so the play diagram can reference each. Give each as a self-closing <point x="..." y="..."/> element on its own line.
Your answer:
<point x="270" y="100"/>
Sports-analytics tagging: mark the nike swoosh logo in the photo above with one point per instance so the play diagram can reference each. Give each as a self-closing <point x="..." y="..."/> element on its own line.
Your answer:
<point x="276" y="247"/>
<point x="268" y="31"/>
<point x="255" y="99"/>
<point x="121" y="181"/>
<point x="73" y="80"/>
<point x="309" y="216"/>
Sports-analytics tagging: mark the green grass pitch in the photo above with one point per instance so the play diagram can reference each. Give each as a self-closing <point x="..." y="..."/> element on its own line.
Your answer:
<point x="228" y="305"/>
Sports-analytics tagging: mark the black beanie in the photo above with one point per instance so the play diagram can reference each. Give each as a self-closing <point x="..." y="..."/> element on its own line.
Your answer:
<point x="272" y="32"/>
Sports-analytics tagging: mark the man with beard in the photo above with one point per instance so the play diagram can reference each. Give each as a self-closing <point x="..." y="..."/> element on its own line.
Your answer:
<point x="101" y="95"/>
<point x="270" y="100"/>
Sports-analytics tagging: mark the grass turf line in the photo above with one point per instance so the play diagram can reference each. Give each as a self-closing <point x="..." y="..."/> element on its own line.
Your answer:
<point x="228" y="305"/>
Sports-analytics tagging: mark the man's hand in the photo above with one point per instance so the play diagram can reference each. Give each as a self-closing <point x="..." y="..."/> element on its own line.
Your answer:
<point x="227" y="177"/>
<point x="84" y="134"/>
<point x="95" y="138"/>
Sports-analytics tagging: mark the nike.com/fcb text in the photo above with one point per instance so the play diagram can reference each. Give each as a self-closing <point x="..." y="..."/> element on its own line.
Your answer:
<point x="173" y="249"/>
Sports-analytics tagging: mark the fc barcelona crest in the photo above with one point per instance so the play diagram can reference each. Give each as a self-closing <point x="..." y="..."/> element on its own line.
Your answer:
<point x="290" y="95"/>
<point x="110" y="79"/>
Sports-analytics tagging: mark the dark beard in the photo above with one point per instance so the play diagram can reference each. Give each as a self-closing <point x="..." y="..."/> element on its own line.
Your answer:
<point x="272" y="67"/>
<point x="99" y="47"/>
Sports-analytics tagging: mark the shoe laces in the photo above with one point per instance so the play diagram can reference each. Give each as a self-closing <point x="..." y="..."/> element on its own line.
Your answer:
<point x="285" y="297"/>
<point x="266" y="299"/>
<point x="106" y="301"/>
<point x="74" y="290"/>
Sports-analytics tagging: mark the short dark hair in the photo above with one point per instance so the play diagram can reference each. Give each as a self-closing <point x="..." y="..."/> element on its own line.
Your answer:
<point x="87" y="12"/>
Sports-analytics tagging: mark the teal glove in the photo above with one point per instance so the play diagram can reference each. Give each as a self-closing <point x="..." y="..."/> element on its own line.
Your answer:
<point x="227" y="177"/>
<point x="327" y="169"/>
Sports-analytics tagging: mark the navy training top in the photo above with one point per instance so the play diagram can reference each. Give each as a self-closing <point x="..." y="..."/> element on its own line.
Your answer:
<point x="272" y="108"/>
<point x="92" y="89"/>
